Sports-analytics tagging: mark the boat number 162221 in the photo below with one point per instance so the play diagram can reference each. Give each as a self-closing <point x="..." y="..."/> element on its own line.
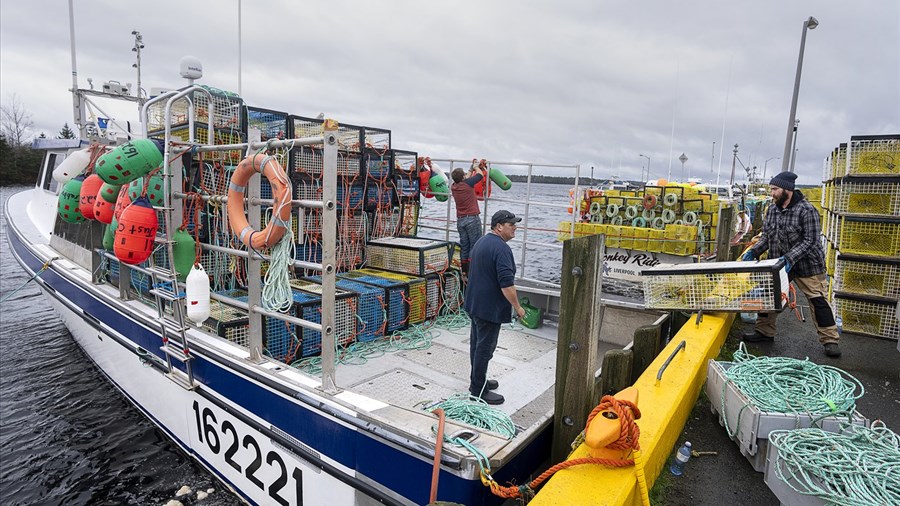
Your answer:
<point x="223" y="436"/>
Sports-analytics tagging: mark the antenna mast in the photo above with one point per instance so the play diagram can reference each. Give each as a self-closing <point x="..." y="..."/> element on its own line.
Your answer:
<point x="138" y="45"/>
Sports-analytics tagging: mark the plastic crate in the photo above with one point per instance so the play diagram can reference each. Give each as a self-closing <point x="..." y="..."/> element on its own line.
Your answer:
<point x="370" y="310"/>
<point x="873" y="155"/>
<point x="717" y="286"/>
<point x="408" y="255"/>
<point x="395" y="297"/>
<point x="871" y="316"/>
<point x="752" y="426"/>
<point x="870" y="276"/>
<point x="787" y="490"/>
<point x="869" y="236"/>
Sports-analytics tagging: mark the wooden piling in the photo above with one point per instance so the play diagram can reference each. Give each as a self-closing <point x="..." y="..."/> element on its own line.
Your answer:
<point x="580" y="317"/>
<point x="724" y="231"/>
<point x="645" y="348"/>
<point x="617" y="372"/>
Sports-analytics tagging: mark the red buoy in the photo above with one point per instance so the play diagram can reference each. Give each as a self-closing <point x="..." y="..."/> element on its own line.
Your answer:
<point x="89" y="189"/>
<point x="103" y="210"/>
<point x="122" y="202"/>
<point x="136" y="233"/>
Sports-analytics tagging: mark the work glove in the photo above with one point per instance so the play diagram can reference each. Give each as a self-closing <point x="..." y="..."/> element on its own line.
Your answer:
<point x="787" y="264"/>
<point x="748" y="256"/>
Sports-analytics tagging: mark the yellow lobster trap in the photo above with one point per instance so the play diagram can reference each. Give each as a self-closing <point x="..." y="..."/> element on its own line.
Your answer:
<point x="857" y="195"/>
<point x="872" y="316"/>
<point x="869" y="236"/>
<point x="717" y="286"/>
<point x="877" y="155"/>
<point x="867" y="276"/>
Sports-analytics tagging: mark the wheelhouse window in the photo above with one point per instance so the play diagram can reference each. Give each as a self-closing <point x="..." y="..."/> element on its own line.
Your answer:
<point x="51" y="162"/>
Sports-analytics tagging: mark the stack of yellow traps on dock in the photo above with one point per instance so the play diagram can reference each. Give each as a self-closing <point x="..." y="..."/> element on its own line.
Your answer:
<point x="676" y="219"/>
<point x="861" y="198"/>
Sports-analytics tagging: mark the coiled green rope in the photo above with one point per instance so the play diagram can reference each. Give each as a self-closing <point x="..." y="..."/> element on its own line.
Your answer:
<point x="859" y="467"/>
<point x="789" y="385"/>
<point x="276" y="289"/>
<point x="465" y="408"/>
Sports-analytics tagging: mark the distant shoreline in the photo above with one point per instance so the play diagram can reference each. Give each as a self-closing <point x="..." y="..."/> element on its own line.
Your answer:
<point x="586" y="181"/>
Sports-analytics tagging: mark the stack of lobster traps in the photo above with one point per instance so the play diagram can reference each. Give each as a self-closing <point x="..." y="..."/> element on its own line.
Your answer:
<point x="861" y="196"/>
<point x="677" y="219"/>
<point x="387" y="280"/>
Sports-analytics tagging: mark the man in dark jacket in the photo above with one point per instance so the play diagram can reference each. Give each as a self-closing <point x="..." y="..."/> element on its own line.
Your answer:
<point x="490" y="298"/>
<point x="791" y="232"/>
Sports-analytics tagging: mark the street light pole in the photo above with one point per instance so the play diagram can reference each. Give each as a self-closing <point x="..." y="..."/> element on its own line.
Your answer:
<point x="811" y="24"/>
<point x="648" y="168"/>
<point x="766" y="165"/>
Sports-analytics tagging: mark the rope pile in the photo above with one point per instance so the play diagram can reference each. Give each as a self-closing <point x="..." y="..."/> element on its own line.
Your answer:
<point x="789" y="385"/>
<point x="474" y="411"/>
<point x="859" y="467"/>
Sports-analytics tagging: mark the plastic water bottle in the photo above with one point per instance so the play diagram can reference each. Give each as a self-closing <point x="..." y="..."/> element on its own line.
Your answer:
<point x="748" y="317"/>
<point x="681" y="458"/>
<point x="839" y="323"/>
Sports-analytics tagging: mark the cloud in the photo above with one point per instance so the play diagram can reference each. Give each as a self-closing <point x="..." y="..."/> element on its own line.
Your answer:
<point x="572" y="82"/>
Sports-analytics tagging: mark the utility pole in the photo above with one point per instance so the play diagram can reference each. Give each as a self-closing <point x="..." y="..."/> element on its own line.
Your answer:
<point x="733" y="164"/>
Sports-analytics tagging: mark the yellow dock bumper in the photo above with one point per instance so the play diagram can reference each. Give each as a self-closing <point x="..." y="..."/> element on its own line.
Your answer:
<point x="665" y="406"/>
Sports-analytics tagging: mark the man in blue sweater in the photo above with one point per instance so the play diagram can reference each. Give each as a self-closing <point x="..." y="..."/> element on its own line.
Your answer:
<point x="490" y="299"/>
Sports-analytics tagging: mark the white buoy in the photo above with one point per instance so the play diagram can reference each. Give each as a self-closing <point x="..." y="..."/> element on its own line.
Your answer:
<point x="197" y="295"/>
<point x="72" y="166"/>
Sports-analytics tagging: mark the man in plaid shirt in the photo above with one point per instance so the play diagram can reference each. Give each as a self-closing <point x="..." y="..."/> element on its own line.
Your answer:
<point x="791" y="232"/>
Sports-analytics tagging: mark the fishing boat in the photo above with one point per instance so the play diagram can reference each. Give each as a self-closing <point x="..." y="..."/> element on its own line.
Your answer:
<point x="155" y="246"/>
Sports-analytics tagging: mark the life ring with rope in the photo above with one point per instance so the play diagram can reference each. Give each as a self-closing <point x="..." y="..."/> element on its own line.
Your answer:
<point x="649" y="201"/>
<point x="269" y="167"/>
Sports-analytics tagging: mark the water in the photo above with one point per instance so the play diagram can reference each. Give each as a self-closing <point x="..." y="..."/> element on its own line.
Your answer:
<point x="541" y="262"/>
<point x="67" y="436"/>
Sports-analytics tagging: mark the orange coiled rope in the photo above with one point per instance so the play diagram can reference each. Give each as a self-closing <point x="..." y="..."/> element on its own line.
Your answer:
<point x="629" y="439"/>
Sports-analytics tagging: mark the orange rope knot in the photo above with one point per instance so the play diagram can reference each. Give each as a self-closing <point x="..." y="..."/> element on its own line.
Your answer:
<point x="629" y="438"/>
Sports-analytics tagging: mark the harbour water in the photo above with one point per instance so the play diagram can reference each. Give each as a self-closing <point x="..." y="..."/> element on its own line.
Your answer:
<point x="67" y="436"/>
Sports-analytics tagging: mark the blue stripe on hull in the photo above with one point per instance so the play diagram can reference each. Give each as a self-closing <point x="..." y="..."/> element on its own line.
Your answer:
<point x="394" y="469"/>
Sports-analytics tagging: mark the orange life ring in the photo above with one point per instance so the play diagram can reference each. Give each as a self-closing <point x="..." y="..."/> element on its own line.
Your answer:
<point x="649" y="201"/>
<point x="281" y="193"/>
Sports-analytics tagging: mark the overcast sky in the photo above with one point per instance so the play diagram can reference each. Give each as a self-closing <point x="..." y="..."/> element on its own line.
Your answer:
<point x="595" y="83"/>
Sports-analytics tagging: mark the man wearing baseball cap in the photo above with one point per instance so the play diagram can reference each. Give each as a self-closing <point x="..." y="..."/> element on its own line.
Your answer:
<point x="490" y="298"/>
<point x="791" y="232"/>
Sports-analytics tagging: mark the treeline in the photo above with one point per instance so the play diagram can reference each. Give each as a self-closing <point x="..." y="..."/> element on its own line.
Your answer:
<point x="583" y="181"/>
<point x="18" y="165"/>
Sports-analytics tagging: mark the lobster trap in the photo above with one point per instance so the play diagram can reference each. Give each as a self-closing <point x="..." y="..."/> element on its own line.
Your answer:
<point x="370" y="311"/>
<point x="868" y="276"/>
<point x="424" y="293"/>
<point x="451" y="295"/>
<point x="719" y="286"/>
<point x="228" y="323"/>
<point x="409" y="255"/>
<point x="869" y="236"/>
<point x="200" y="136"/>
<point x="226" y="107"/>
<point x="308" y="306"/>
<point x="270" y="124"/>
<point x="873" y="155"/>
<point x="871" y="316"/>
<point x="856" y="195"/>
<point x="394" y="297"/>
